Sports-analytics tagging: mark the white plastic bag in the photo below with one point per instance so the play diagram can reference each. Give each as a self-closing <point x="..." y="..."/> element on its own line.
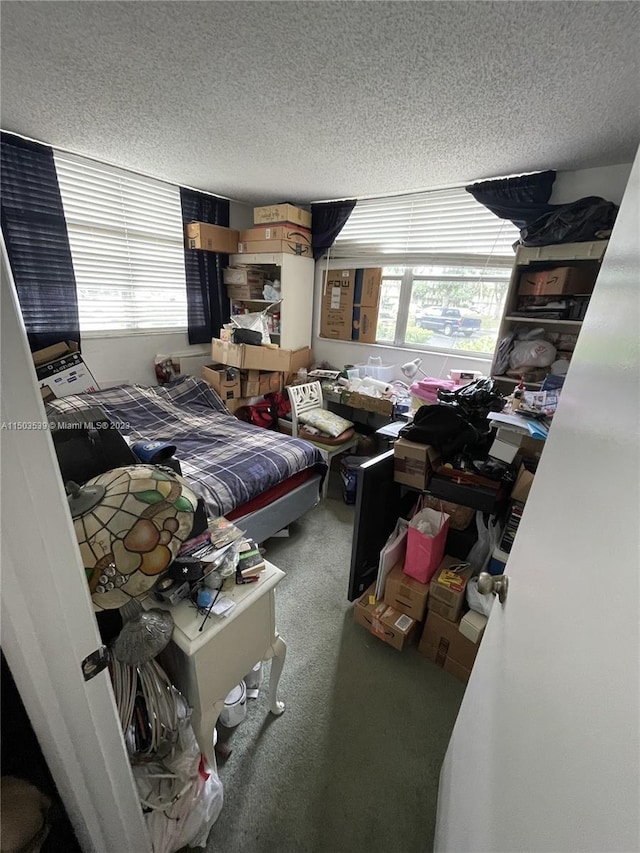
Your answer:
<point x="476" y="600"/>
<point x="532" y="354"/>
<point x="488" y="537"/>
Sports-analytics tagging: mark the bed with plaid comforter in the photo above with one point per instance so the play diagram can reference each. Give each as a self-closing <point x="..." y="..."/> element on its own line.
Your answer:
<point x="226" y="461"/>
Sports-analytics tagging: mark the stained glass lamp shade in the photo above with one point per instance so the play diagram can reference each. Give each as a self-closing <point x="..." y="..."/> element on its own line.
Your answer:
<point x="130" y="524"/>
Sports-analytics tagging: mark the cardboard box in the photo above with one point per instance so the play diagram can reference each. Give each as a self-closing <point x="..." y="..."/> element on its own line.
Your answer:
<point x="275" y="213"/>
<point x="224" y="380"/>
<point x="503" y="450"/>
<point x="336" y="316"/>
<point x="245" y="291"/>
<point x="245" y="275"/>
<point x="255" y="383"/>
<point x="224" y="352"/>
<point x="288" y="233"/>
<point x="364" y="324"/>
<point x="366" y="403"/>
<point x="288" y="247"/>
<point x="406" y="594"/>
<point x="48" y="354"/>
<point x="368" y="283"/>
<point x="522" y="485"/>
<point x="443" y="643"/>
<point x="394" y="628"/>
<point x="472" y="626"/>
<point x="260" y="358"/>
<point x="212" y="238"/>
<point x="557" y="281"/>
<point x="447" y="589"/>
<point x="413" y="463"/>
<point x="64" y="376"/>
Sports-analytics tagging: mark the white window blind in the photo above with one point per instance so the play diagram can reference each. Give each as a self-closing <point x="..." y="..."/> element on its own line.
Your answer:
<point x="447" y="225"/>
<point x="127" y="247"/>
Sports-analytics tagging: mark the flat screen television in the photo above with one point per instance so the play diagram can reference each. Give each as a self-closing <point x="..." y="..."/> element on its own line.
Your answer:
<point x="379" y="503"/>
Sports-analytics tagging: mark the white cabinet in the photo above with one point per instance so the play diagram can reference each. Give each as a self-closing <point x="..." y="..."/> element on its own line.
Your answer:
<point x="296" y="276"/>
<point x="527" y="312"/>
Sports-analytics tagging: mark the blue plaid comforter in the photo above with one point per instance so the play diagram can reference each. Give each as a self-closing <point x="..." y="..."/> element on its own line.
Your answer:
<point x="226" y="461"/>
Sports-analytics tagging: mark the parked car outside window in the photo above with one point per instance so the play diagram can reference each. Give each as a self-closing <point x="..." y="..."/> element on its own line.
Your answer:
<point x="449" y="321"/>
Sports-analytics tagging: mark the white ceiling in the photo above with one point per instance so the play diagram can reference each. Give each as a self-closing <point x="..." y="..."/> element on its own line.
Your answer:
<point x="303" y="101"/>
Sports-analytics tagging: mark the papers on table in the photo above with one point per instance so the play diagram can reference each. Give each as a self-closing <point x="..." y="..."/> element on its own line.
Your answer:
<point x="516" y="422"/>
<point x="391" y="554"/>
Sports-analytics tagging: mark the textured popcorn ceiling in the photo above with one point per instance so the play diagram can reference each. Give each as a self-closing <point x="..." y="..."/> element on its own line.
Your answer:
<point x="301" y="101"/>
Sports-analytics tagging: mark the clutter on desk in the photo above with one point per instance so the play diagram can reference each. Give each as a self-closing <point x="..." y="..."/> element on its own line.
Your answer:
<point x="413" y="463"/>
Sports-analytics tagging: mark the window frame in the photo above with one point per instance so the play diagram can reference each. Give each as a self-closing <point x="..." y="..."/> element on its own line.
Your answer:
<point x="122" y="230"/>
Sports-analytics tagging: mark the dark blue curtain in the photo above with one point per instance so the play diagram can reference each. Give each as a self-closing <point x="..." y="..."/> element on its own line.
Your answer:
<point x="35" y="233"/>
<point x="207" y="302"/>
<point x="522" y="200"/>
<point x="327" y="221"/>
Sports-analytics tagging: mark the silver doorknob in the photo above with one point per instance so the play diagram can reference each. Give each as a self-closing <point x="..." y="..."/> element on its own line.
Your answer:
<point x="497" y="584"/>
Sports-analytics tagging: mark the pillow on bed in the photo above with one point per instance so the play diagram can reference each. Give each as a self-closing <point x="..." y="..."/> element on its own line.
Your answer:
<point x="325" y="421"/>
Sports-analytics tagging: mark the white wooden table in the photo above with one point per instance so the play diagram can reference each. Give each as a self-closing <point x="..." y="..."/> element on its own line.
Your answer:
<point x="205" y="665"/>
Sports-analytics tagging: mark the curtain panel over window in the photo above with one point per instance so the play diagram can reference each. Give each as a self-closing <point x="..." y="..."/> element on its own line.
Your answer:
<point x="35" y="233"/>
<point x="522" y="200"/>
<point x="327" y="221"/>
<point x="207" y="302"/>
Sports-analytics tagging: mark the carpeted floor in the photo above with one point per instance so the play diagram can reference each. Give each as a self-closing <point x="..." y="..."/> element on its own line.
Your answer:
<point x="353" y="763"/>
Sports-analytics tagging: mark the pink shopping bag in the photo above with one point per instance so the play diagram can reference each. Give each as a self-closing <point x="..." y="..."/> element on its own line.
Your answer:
<point x="426" y="539"/>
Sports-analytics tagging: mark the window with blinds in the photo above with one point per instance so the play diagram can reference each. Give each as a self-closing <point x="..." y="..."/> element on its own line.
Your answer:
<point x="126" y="238"/>
<point x="447" y="224"/>
<point x="446" y="261"/>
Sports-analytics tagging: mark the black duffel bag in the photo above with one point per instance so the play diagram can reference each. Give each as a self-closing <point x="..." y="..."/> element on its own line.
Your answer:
<point x="443" y="428"/>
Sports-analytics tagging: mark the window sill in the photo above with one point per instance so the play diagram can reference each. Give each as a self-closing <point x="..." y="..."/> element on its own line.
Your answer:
<point x="128" y="333"/>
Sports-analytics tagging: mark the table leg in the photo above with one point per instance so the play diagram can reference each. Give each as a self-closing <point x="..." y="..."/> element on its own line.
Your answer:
<point x="278" y="653"/>
<point x="203" y="726"/>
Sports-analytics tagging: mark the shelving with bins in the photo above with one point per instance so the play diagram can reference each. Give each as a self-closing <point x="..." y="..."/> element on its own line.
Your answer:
<point x="295" y="308"/>
<point x="562" y="332"/>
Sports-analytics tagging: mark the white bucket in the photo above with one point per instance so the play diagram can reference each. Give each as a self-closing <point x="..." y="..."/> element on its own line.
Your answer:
<point x="235" y="707"/>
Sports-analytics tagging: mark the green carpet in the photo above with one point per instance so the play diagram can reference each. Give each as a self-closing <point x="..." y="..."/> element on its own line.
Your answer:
<point x="352" y="765"/>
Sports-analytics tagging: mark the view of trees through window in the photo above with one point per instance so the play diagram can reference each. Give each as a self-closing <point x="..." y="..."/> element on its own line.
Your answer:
<point x="442" y="307"/>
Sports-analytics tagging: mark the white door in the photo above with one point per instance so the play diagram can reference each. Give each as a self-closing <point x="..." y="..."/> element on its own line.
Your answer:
<point x="545" y="753"/>
<point x="48" y="626"/>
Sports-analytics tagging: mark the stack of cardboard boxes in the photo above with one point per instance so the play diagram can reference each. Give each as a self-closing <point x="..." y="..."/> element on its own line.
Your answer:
<point x="278" y="228"/>
<point x="350" y="301"/>
<point x="240" y="372"/>
<point x="447" y="637"/>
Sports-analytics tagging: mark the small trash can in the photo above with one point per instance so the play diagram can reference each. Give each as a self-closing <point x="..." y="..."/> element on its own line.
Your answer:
<point x="235" y="707"/>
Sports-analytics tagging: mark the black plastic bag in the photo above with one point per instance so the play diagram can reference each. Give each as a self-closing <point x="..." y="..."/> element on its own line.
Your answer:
<point x="443" y="428"/>
<point x="589" y="218"/>
<point x="475" y="400"/>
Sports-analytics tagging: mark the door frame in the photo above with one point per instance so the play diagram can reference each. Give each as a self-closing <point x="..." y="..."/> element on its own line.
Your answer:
<point x="48" y="626"/>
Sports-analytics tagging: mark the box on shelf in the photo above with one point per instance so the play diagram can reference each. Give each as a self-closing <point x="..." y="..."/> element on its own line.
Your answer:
<point x="64" y="375"/>
<point x="277" y="213"/>
<point x="337" y="304"/>
<point x="447" y="589"/>
<point x="288" y="247"/>
<point x="212" y="238"/>
<point x="497" y="562"/>
<point x="245" y="291"/>
<point x="255" y="383"/>
<point x="224" y="380"/>
<point x="406" y="594"/>
<point x="368" y="282"/>
<point x="557" y="281"/>
<point x="443" y="643"/>
<point x="413" y="463"/>
<point x="288" y="233"/>
<point x="394" y="628"/>
<point x="243" y="275"/>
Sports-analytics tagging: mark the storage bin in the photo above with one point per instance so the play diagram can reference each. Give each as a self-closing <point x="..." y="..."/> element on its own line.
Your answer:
<point x="383" y="372"/>
<point x="235" y="707"/>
